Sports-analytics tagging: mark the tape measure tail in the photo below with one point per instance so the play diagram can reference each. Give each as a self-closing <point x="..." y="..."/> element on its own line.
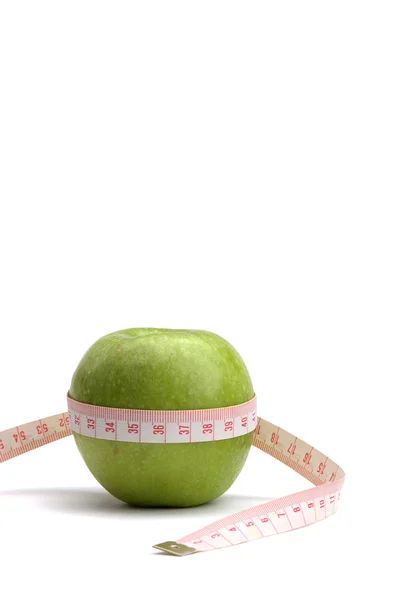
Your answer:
<point x="24" y="438"/>
<point x="275" y="516"/>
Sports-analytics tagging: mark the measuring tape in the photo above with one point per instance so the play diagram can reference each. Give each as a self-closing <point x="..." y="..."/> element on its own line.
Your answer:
<point x="197" y="426"/>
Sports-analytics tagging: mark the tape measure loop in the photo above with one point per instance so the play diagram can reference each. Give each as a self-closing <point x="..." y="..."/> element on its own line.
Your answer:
<point x="270" y="518"/>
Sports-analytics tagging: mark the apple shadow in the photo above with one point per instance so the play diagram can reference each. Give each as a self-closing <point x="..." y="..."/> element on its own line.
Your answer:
<point x="97" y="503"/>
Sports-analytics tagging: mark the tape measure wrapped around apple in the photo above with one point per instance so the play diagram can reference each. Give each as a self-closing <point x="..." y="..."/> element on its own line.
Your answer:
<point x="166" y="418"/>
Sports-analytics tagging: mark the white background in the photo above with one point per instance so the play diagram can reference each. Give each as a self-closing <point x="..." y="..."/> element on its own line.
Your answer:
<point x="225" y="165"/>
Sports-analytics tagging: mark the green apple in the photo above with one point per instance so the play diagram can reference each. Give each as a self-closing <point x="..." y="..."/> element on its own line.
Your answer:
<point x="163" y="369"/>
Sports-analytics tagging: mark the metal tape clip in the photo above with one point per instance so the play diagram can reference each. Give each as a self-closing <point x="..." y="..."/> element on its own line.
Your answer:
<point x="175" y="549"/>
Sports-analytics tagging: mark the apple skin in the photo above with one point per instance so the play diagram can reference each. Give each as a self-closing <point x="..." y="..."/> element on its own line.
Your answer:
<point x="163" y="369"/>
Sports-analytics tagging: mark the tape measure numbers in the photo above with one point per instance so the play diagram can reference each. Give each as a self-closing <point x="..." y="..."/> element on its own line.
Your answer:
<point x="158" y="426"/>
<point x="196" y="426"/>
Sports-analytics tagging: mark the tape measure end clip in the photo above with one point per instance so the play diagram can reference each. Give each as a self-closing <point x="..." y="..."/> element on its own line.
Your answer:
<point x="175" y="549"/>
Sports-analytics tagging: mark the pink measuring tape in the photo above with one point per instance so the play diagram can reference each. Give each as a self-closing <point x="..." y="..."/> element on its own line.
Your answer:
<point x="199" y="426"/>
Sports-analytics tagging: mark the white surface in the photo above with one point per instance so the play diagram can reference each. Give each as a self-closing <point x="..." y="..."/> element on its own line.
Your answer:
<point x="231" y="166"/>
